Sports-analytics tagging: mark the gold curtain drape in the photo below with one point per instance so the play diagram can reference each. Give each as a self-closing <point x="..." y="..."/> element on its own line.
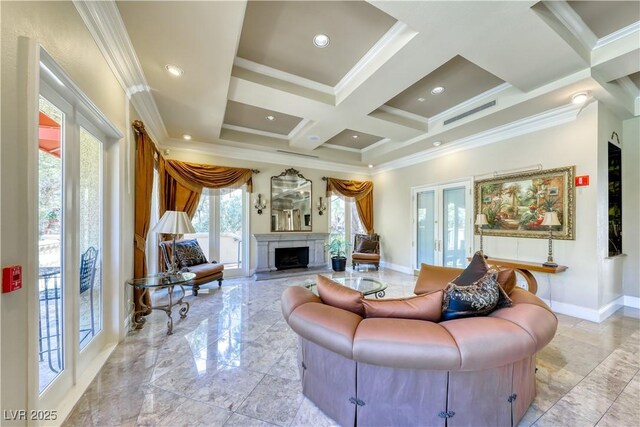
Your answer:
<point x="361" y="191"/>
<point x="144" y="165"/>
<point x="180" y="186"/>
<point x="181" y="183"/>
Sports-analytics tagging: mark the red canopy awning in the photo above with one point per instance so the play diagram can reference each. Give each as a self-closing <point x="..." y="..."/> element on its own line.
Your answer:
<point x="49" y="135"/>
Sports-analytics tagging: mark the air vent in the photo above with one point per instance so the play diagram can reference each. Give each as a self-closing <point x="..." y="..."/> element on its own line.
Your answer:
<point x="470" y="112"/>
<point x="297" y="154"/>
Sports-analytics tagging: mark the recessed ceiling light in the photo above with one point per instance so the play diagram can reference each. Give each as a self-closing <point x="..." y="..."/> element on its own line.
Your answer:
<point x="321" y="40"/>
<point x="174" y="70"/>
<point x="270" y="118"/>
<point x="355" y="137"/>
<point x="421" y="99"/>
<point x="370" y="166"/>
<point x="186" y="136"/>
<point x="580" y="98"/>
<point x="437" y="143"/>
<point x="437" y="90"/>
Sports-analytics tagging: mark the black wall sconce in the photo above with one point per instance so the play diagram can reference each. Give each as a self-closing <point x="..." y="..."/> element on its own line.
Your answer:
<point x="321" y="206"/>
<point x="259" y="204"/>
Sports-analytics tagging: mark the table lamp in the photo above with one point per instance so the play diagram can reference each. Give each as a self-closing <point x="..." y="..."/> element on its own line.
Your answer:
<point x="550" y="220"/>
<point x="481" y="219"/>
<point x="174" y="222"/>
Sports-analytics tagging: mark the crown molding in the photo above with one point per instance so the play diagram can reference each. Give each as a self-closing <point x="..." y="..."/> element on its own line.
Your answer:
<point x="547" y="119"/>
<point x="248" y="152"/>
<point x="388" y="45"/>
<point x="628" y="86"/>
<point x="402" y="113"/>
<point x="282" y="75"/>
<point x="573" y="22"/>
<point x="340" y="147"/>
<point x="618" y="35"/>
<point x="255" y="131"/>
<point x="105" y="24"/>
<point x="466" y="105"/>
<point x="375" y="144"/>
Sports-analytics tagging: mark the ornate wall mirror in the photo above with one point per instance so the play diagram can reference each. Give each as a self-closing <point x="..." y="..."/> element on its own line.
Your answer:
<point x="290" y="202"/>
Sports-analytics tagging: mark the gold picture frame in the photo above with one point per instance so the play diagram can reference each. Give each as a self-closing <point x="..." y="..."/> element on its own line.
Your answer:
<point x="515" y="204"/>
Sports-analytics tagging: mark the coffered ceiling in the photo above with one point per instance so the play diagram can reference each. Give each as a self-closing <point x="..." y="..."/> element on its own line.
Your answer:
<point x="500" y="64"/>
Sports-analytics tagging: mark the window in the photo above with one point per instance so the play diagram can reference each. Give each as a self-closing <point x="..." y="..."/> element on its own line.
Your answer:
<point x="344" y="222"/>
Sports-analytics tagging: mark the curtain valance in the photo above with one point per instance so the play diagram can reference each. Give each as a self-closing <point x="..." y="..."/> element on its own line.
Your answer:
<point x="361" y="191"/>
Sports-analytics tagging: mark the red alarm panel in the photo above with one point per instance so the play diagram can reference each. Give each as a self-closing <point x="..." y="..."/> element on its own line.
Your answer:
<point x="11" y="278"/>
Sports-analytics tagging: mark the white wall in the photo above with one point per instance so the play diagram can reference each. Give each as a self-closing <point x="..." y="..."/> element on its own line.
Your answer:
<point x="631" y="206"/>
<point x="59" y="29"/>
<point x="573" y="143"/>
<point x="262" y="184"/>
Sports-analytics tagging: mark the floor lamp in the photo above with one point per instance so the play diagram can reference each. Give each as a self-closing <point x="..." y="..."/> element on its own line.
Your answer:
<point x="481" y="220"/>
<point x="550" y="220"/>
<point x="174" y="222"/>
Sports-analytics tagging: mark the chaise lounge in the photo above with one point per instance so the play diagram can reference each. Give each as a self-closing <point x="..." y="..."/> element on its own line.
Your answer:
<point x="205" y="271"/>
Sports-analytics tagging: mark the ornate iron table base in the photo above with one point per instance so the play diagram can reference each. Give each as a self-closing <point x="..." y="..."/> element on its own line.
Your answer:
<point x="139" y="319"/>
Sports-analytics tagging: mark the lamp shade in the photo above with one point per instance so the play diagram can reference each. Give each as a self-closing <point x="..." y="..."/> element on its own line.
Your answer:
<point x="550" y="219"/>
<point x="174" y="222"/>
<point x="481" y="219"/>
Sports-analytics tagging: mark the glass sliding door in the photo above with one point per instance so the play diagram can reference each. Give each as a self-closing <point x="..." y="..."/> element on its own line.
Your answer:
<point x="90" y="223"/>
<point x="51" y="241"/>
<point x="442" y="225"/>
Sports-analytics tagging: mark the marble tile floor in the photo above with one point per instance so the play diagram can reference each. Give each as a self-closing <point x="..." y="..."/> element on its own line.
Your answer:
<point x="232" y="362"/>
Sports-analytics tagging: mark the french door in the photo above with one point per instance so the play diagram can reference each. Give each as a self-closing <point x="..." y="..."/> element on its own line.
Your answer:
<point x="67" y="311"/>
<point x="442" y="225"/>
<point x="222" y="229"/>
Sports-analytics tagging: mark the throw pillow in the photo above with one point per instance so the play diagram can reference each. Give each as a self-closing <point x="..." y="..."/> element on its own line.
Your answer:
<point x="433" y="278"/>
<point x="476" y="269"/>
<point x="476" y="299"/>
<point x="188" y="253"/>
<point x="367" y="247"/>
<point x="507" y="281"/>
<point x="334" y="294"/>
<point x="422" y="307"/>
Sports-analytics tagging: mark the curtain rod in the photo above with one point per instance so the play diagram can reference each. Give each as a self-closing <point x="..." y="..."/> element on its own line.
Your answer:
<point x="255" y="171"/>
<point x="324" y="178"/>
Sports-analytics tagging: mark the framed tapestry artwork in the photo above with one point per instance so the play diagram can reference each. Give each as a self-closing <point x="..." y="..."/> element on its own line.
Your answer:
<point x="515" y="204"/>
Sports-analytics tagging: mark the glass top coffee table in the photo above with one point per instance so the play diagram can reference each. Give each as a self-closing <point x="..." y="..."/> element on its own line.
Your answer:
<point x="364" y="285"/>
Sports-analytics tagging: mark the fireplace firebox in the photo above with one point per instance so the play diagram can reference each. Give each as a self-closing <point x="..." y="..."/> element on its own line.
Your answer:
<point x="291" y="258"/>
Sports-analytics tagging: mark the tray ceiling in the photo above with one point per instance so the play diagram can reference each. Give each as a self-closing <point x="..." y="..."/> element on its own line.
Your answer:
<point x="606" y="17"/>
<point x="279" y="34"/>
<point x="460" y="79"/>
<point x="250" y="117"/>
<point x="355" y="140"/>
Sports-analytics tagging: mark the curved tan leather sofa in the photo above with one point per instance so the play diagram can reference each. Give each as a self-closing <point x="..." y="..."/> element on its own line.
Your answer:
<point x="476" y="371"/>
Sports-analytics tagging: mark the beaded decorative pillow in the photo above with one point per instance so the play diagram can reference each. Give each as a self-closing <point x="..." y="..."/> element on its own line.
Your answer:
<point x="476" y="299"/>
<point x="189" y="253"/>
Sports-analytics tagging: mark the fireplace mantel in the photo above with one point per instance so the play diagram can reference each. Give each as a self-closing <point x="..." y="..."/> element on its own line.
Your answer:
<point x="268" y="242"/>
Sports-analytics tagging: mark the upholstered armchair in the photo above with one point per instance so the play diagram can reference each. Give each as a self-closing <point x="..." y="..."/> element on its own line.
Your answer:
<point x="190" y="258"/>
<point x="366" y="250"/>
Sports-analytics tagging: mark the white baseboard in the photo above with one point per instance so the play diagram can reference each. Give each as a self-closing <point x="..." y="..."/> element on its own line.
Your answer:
<point x="591" y="314"/>
<point x="633" y="302"/>
<point x="84" y="380"/>
<point x="396" y="267"/>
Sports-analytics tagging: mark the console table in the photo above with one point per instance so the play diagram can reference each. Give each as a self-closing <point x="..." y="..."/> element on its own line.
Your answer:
<point x="525" y="268"/>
